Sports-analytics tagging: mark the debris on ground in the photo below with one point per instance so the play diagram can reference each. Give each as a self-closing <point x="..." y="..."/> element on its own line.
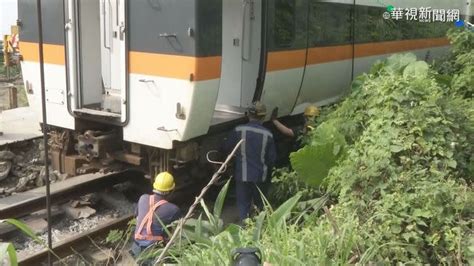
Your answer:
<point x="78" y="212"/>
<point x="5" y="168"/>
<point x="81" y="208"/>
<point x="64" y="228"/>
<point x="21" y="167"/>
<point x="6" y="155"/>
<point x="99" y="257"/>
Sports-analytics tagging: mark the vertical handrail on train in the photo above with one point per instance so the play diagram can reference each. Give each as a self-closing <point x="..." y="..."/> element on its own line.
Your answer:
<point x="45" y="125"/>
<point x="244" y="11"/>
<point x="263" y="53"/>
<point x="67" y="26"/>
<point x="106" y="34"/>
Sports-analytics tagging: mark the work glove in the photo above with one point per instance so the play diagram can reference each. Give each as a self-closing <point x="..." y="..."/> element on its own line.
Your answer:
<point x="274" y="113"/>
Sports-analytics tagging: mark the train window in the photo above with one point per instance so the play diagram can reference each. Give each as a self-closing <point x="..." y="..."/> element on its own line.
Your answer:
<point x="330" y="23"/>
<point x="284" y="23"/>
<point x="209" y="27"/>
<point x="371" y="27"/>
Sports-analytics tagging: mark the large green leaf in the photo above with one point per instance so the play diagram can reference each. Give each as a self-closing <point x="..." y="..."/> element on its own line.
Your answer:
<point x="219" y="204"/>
<point x="8" y="249"/>
<point x="398" y="62"/>
<point x="24" y="228"/>
<point x="283" y="212"/>
<point x="234" y="231"/>
<point x="313" y="162"/>
<point x="259" y="225"/>
<point x="417" y="69"/>
<point x="208" y="213"/>
<point x="193" y="237"/>
<point x="199" y="226"/>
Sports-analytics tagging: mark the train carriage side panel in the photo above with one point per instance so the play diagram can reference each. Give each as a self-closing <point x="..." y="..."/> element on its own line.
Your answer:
<point x="286" y="53"/>
<point x="54" y="59"/>
<point x="328" y="69"/>
<point x="173" y="81"/>
<point x="377" y="38"/>
<point x="329" y="58"/>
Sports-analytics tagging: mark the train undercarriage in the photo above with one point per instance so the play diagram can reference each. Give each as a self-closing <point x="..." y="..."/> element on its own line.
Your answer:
<point x="98" y="147"/>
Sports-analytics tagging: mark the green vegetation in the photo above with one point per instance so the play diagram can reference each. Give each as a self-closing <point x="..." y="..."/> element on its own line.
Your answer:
<point x="14" y="71"/>
<point x="396" y="155"/>
<point x="15" y="74"/>
<point x="7" y="249"/>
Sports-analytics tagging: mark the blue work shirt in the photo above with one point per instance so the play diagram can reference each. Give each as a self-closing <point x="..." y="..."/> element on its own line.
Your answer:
<point x="167" y="213"/>
<point x="256" y="156"/>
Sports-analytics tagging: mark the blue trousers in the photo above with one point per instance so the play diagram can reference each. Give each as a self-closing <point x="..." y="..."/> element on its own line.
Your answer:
<point x="246" y="193"/>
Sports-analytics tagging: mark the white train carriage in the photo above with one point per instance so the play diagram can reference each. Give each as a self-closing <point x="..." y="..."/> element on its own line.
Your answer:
<point x="164" y="73"/>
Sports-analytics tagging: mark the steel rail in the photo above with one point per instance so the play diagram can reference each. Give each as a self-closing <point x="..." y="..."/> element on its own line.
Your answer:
<point x="68" y="246"/>
<point x="27" y="202"/>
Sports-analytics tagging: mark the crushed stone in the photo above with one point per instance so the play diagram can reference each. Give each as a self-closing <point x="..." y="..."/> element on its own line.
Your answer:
<point x="65" y="228"/>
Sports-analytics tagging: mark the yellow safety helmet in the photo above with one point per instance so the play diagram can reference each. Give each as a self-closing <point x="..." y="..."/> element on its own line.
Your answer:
<point x="311" y="110"/>
<point x="164" y="182"/>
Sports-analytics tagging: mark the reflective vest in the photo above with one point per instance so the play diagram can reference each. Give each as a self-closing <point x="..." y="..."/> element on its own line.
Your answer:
<point x="148" y="220"/>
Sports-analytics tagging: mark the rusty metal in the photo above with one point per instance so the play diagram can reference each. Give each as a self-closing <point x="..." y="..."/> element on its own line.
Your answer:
<point x="59" y="142"/>
<point x="72" y="163"/>
<point x="127" y="158"/>
<point x="135" y="148"/>
<point x="67" y="246"/>
<point x="96" y="144"/>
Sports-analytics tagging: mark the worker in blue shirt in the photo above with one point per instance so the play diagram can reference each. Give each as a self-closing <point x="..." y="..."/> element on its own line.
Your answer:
<point x="253" y="160"/>
<point x="149" y="230"/>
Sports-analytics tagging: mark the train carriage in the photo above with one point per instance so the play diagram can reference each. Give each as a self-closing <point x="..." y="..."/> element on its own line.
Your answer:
<point x="143" y="77"/>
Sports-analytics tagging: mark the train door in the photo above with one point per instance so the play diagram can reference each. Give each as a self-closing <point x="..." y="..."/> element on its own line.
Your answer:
<point x="96" y="44"/>
<point x="241" y="52"/>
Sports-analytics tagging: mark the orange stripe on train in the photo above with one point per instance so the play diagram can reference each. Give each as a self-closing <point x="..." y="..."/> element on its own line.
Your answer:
<point x="52" y="53"/>
<point x="282" y="60"/>
<point x="175" y="66"/>
<point x="206" y="68"/>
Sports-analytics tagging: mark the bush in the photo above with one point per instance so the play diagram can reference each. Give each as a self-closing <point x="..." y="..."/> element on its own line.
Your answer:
<point x="397" y="153"/>
<point x="408" y="168"/>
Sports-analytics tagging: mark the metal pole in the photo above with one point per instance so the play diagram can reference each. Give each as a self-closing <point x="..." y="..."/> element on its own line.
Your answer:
<point x="182" y="221"/>
<point x="45" y="123"/>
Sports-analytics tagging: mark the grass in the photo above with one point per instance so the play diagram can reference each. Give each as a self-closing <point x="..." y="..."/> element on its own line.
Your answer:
<point x="22" y="98"/>
<point x="15" y="71"/>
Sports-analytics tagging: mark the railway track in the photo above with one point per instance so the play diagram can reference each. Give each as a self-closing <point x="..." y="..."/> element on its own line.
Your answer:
<point x="67" y="246"/>
<point x="33" y="200"/>
<point x="23" y="204"/>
